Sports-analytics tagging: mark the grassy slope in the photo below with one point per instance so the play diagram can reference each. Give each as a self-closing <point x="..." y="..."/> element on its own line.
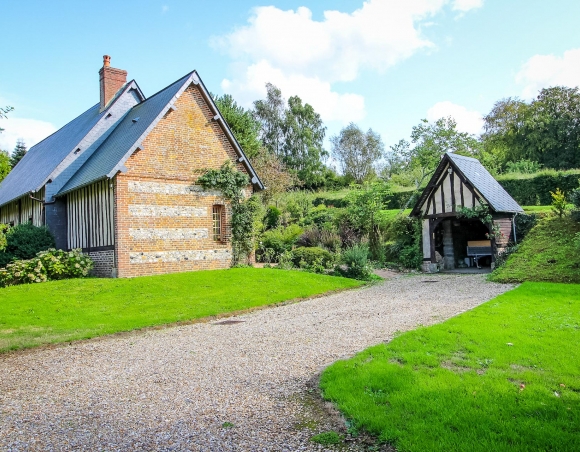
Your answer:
<point x="456" y="386"/>
<point x="547" y="254"/>
<point x="74" y="309"/>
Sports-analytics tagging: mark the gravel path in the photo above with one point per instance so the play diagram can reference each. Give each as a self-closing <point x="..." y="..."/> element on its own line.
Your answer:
<point x="182" y="388"/>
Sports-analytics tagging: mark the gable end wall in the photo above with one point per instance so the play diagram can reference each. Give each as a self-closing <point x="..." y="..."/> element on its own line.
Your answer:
<point x="163" y="220"/>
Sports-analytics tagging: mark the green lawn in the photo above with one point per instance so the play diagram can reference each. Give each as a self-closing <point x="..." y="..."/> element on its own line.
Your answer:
<point x="502" y="377"/>
<point x="547" y="253"/>
<point x="61" y="311"/>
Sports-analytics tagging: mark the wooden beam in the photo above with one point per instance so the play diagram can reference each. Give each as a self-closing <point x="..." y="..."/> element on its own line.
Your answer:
<point x="452" y="184"/>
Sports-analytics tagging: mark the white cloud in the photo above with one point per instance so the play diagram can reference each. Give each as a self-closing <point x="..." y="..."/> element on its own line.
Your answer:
<point x="305" y="56"/>
<point x="466" y="5"/>
<point x="543" y="71"/>
<point x="469" y="121"/>
<point x="331" y="105"/>
<point x="31" y="131"/>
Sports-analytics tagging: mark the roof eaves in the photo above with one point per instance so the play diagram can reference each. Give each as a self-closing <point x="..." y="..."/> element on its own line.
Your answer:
<point x="255" y="179"/>
<point x="65" y="192"/>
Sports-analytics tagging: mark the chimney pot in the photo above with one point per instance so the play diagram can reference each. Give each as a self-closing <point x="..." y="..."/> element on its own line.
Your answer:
<point x="111" y="81"/>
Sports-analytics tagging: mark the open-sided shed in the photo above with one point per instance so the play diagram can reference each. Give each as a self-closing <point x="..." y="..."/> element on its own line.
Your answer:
<point x="450" y="240"/>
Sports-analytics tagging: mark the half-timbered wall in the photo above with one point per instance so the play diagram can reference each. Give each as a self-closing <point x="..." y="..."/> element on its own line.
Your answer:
<point x="450" y="193"/>
<point x="90" y="216"/>
<point x="24" y="210"/>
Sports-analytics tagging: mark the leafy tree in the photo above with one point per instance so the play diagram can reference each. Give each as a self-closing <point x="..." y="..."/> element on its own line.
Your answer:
<point x="357" y="151"/>
<point x="429" y="141"/>
<point x="19" y="152"/>
<point x="5" y="166"/>
<point x="295" y="133"/>
<point x="243" y="124"/>
<point x="304" y="134"/>
<point x="553" y="128"/>
<point x="364" y="204"/>
<point x="396" y="160"/>
<point x="274" y="174"/>
<point x="270" y="114"/>
<point x="546" y="130"/>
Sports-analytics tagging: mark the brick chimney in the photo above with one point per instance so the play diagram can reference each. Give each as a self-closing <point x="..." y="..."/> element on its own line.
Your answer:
<point x="111" y="81"/>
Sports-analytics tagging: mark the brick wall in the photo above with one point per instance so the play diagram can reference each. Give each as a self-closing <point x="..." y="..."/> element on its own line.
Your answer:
<point x="104" y="263"/>
<point x="163" y="220"/>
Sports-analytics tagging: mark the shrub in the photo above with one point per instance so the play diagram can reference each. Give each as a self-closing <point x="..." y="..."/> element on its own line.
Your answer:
<point x="308" y="257"/>
<point x="356" y="260"/>
<point x="321" y="238"/>
<point x="272" y="219"/>
<point x="280" y="239"/>
<point x="575" y="200"/>
<point x="3" y="241"/>
<point x="403" y="246"/>
<point x="523" y="166"/>
<point x="47" y="265"/>
<point x="61" y="264"/>
<point x="24" y="241"/>
<point x="559" y="202"/>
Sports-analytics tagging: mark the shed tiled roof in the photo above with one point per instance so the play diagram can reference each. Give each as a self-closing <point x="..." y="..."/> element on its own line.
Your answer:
<point x="122" y="140"/>
<point x="41" y="160"/>
<point x="495" y="195"/>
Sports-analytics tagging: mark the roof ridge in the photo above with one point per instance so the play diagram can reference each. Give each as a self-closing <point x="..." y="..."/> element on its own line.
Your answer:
<point x="167" y="87"/>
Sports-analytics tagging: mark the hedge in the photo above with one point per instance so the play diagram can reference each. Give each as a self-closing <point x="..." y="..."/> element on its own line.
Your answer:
<point x="534" y="189"/>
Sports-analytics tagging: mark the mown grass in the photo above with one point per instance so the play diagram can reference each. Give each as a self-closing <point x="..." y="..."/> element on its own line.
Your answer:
<point x="502" y="377"/>
<point x="61" y="311"/>
<point x="548" y="253"/>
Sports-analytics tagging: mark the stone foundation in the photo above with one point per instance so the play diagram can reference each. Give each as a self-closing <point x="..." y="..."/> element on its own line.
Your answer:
<point x="104" y="263"/>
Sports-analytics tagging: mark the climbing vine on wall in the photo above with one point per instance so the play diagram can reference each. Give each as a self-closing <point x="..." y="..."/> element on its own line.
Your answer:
<point x="231" y="183"/>
<point x="483" y="214"/>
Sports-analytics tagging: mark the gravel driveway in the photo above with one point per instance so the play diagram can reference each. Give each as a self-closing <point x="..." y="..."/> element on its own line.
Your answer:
<point x="213" y="386"/>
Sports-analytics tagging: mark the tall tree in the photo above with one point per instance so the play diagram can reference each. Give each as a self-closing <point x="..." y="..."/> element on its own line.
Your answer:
<point x="270" y="114"/>
<point x="357" y="151"/>
<point x="19" y="151"/>
<point x="245" y="127"/>
<point x="430" y="140"/>
<point x="295" y="133"/>
<point x="552" y="129"/>
<point x="545" y="130"/>
<point x="302" y="149"/>
<point x="5" y="166"/>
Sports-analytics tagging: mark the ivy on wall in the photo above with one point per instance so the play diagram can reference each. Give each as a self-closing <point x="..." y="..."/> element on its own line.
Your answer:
<point x="231" y="183"/>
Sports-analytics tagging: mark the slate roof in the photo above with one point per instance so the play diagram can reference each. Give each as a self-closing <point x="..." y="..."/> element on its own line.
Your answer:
<point x="41" y="160"/>
<point x="123" y="138"/>
<point x="494" y="194"/>
<point x="107" y="155"/>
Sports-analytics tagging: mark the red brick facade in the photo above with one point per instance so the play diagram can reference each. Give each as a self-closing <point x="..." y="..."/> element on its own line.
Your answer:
<point x="163" y="220"/>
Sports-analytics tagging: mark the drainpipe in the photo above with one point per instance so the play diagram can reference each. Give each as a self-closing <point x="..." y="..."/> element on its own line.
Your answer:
<point x="514" y="228"/>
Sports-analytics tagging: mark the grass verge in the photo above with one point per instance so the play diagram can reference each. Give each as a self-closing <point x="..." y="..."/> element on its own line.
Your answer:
<point x="504" y="376"/>
<point x="61" y="311"/>
<point x="548" y="253"/>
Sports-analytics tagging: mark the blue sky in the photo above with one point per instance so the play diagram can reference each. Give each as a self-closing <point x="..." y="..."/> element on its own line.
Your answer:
<point x="383" y="64"/>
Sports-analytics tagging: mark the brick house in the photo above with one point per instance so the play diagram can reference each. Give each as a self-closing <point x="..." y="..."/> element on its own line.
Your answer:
<point x="118" y="181"/>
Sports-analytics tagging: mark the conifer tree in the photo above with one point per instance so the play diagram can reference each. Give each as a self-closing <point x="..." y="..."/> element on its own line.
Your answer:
<point x="18" y="153"/>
